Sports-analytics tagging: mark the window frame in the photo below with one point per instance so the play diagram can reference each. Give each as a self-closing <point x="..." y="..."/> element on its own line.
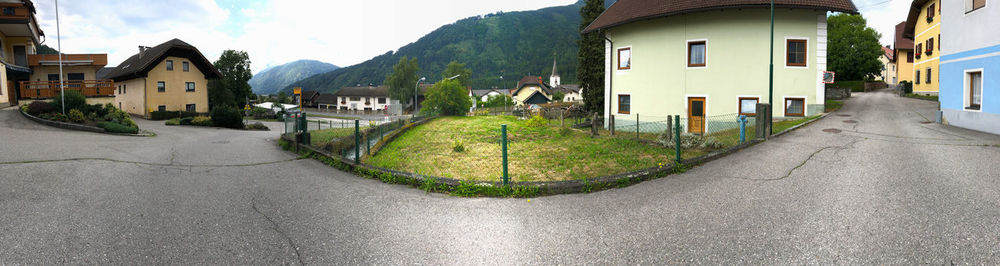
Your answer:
<point x="805" y="52"/>
<point x="930" y="44"/>
<point x="160" y="88"/>
<point x="927" y="80"/>
<point x="619" y="58"/>
<point x="972" y="6"/>
<point x="909" y="57"/>
<point x="740" y="103"/>
<point x="704" y="58"/>
<point x="968" y="90"/>
<point x="930" y="10"/>
<point x="185" y="66"/>
<point x="170" y="65"/>
<point x="161" y="108"/>
<point x="381" y="100"/>
<point x="785" y="105"/>
<point x="190" y="107"/>
<point x="916" y="79"/>
<point x="190" y="87"/>
<point x="629" y="104"/>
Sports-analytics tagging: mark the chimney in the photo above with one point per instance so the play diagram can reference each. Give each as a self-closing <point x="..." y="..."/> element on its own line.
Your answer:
<point x="142" y="49"/>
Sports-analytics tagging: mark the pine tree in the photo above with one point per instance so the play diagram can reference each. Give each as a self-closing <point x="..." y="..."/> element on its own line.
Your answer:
<point x="590" y="67"/>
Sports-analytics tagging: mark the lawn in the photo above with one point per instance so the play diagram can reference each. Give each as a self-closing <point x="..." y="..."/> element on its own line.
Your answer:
<point x="545" y="153"/>
<point x="833" y="105"/>
<point x="320" y="137"/>
<point x="779" y="126"/>
<point x="923" y="97"/>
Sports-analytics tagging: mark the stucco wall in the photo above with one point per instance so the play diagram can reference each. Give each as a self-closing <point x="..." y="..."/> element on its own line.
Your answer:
<point x="922" y="32"/>
<point x="957" y="26"/>
<point x="360" y="103"/>
<point x="41" y="73"/>
<point x="904" y="69"/>
<point x="130" y="96"/>
<point x="175" y="98"/>
<point x="972" y="44"/>
<point x="526" y="92"/>
<point x="5" y="91"/>
<point x="660" y="81"/>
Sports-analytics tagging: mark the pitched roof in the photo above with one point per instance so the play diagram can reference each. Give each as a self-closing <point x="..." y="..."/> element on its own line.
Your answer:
<point x="326" y="99"/>
<point x="911" y="19"/>
<point x="366" y="91"/>
<point x="141" y="63"/>
<point x="888" y="53"/>
<point x="627" y="11"/>
<point x="103" y="72"/>
<point x="902" y="43"/>
<point x="568" y="88"/>
<point x="532" y="80"/>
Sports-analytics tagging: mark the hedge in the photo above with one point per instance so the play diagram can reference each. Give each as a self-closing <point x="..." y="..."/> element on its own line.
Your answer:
<point x="164" y="115"/>
<point x="856" y="85"/>
<point x="117" y="128"/>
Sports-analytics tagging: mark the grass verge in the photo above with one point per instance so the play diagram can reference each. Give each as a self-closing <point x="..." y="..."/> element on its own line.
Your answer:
<point x="922" y="97"/>
<point x="833" y="105"/>
<point x="783" y="125"/>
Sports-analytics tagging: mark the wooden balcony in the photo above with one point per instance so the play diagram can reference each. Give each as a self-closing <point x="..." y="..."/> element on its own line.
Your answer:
<point x="50" y="89"/>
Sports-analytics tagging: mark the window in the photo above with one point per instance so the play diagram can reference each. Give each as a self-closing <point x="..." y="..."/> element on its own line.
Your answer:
<point x="930" y="45"/>
<point x="796" y="53"/>
<point x="975" y="90"/>
<point x="795" y="106"/>
<point x="381" y="100"/>
<point x="928" y="78"/>
<point x="190" y="108"/>
<point x="189" y="86"/>
<point x="119" y="89"/>
<point x="355" y="99"/>
<point x="909" y="57"/>
<point x="697" y="53"/>
<point x="748" y="105"/>
<point x="917" y="78"/>
<point x="624" y="104"/>
<point x="930" y="12"/>
<point x="624" y="58"/>
<point x="170" y="65"/>
<point x="973" y="5"/>
<point x="9" y="11"/>
<point x="162" y="108"/>
<point x="161" y="86"/>
<point x="125" y="89"/>
<point x="186" y="66"/>
<point x="919" y="50"/>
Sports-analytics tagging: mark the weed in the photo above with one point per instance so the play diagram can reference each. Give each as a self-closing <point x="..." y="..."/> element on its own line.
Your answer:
<point x="458" y="146"/>
<point x="680" y="168"/>
<point x="587" y="187"/>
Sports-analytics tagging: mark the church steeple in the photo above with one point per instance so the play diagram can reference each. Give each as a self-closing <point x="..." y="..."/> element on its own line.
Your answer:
<point x="554" y="78"/>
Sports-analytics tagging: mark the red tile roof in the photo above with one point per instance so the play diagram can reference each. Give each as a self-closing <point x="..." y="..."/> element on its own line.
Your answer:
<point x="627" y="11"/>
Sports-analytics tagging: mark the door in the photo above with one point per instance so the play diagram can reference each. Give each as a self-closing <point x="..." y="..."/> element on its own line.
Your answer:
<point x="20" y="55"/>
<point x="75" y="80"/>
<point x="696" y="115"/>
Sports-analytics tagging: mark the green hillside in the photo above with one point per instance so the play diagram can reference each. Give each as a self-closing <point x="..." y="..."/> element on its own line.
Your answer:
<point x="273" y="79"/>
<point x="515" y="44"/>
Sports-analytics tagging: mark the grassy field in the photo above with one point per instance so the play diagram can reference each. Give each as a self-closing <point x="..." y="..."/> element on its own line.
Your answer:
<point x="543" y="153"/>
<point x="320" y="137"/>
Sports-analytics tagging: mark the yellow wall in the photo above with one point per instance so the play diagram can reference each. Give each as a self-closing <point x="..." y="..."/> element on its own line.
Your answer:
<point x="526" y="92"/>
<point x="904" y="69"/>
<point x="4" y="90"/>
<point x="130" y="96"/>
<point x="923" y="32"/>
<point x="176" y="98"/>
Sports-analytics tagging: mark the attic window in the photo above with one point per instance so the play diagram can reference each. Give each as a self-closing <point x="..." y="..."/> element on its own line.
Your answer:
<point x="186" y="66"/>
<point x="170" y="65"/>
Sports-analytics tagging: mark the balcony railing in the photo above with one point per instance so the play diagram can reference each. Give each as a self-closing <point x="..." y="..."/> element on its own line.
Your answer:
<point x="50" y="89"/>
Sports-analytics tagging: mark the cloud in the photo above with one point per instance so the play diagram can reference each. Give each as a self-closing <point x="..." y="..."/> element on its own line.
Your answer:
<point x="883" y="16"/>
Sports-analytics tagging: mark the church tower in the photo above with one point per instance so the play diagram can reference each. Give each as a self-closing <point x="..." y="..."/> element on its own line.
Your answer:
<point x="554" y="78"/>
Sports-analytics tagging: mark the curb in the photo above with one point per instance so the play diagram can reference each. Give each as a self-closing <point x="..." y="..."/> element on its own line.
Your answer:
<point x="802" y="125"/>
<point x="76" y="127"/>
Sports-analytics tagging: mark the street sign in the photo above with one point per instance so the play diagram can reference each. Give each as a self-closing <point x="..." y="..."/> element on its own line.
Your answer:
<point x="828" y="77"/>
<point x="297" y="90"/>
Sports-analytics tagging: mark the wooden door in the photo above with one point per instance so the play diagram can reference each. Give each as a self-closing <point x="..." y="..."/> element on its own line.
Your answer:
<point x="696" y="115"/>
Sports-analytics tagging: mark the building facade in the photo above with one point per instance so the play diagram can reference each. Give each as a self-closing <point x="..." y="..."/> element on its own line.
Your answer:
<point x="368" y="98"/>
<point x="531" y="90"/>
<point x="888" y="66"/>
<point x="172" y="76"/>
<point x="923" y="26"/>
<point x="970" y="65"/>
<point x="667" y="60"/>
<point x="904" y="55"/>
<point x="19" y="38"/>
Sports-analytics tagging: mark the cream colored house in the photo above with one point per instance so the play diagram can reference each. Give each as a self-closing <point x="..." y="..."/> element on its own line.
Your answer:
<point x="531" y="90"/>
<point x="888" y="66"/>
<point x="19" y="38"/>
<point x="172" y="76"/>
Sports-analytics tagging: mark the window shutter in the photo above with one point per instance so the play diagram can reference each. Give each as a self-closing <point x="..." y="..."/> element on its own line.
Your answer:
<point x="976" y="4"/>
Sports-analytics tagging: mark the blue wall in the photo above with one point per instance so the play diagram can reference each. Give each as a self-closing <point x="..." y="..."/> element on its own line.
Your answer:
<point x="952" y="85"/>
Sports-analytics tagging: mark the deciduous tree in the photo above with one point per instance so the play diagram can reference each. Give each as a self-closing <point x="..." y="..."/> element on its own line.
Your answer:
<point x="447" y="97"/>
<point x="403" y="79"/>
<point x="234" y="87"/>
<point x="854" y="48"/>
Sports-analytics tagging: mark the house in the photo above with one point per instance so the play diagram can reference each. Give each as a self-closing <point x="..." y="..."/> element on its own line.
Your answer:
<point x="80" y="74"/>
<point x="888" y="65"/>
<point x="923" y="27"/>
<point x="904" y="54"/>
<point x="708" y="58"/>
<point x="172" y="76"/>
<point x="19" y="38"/>
<point x="484" y="95"/>
<point x="970" y="65"/>
<point x="571" y="92"/>
<point x="531" y="90"/>
<point x="308" y="98"/>
<point x="367" y="98"/>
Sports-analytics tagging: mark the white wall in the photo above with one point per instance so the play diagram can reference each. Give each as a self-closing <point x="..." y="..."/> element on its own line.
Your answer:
<point x="982" y="22"/>
<point x="358" y="103"/>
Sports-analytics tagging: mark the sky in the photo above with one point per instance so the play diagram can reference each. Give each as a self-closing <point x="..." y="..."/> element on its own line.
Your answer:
<point x="275" y="32"/>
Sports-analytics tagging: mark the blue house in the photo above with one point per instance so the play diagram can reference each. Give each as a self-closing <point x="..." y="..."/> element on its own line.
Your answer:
<point x="970" y="65"/>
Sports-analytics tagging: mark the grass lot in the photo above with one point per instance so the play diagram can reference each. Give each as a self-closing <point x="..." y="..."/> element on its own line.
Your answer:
<point x="923" y="97"/>
<point x="783" y="125"/>
<point x="320" y="137"/>
<point x="833" y="105"/>
<point x="330" y="116"/>
<point x="535" y="154"/>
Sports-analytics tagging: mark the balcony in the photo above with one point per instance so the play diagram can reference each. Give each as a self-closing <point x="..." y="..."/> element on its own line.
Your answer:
<point x="50" y="89"/>
<point x="17" y="19"/>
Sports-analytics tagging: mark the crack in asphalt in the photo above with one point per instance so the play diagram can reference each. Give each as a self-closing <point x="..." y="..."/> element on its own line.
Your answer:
<point x="149" y="164"/>
<point x="803" y="163"/>
<point x="276" y="228"/>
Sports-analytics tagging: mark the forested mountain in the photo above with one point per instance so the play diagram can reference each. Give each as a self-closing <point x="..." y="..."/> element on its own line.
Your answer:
<point x="511" y="44"/>
<point x="273" y="79"/>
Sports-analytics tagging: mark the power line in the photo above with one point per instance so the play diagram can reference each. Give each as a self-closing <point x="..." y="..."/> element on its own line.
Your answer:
<point x="876" y="4"/>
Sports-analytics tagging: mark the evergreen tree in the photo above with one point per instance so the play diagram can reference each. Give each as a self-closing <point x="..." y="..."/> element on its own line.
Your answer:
<point x="854" y="48"/>
<point x="590" y="67"/>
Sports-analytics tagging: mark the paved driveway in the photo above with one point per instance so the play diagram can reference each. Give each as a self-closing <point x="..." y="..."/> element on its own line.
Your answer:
<point x="885" y="189"/>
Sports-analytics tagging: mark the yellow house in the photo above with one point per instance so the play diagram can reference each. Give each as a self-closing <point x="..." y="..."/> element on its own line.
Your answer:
<point x="904" y="55"/>
<point x="923" y="26"/>
<point x="79" y="73"/>
<point x="172" y="76"/>
<point x="19" y="37"/>
<point x="531" y="90"/>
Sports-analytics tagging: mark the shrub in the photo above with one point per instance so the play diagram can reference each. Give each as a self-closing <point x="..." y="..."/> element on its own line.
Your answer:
<point x="92" y="116"/>
<point x="117" y="128"/>
<point x="257" y="126"/>
<point x="38" y="108"/>
<point x="76" y="116"/>
<point x="226" y="116"/>
<point x="120" y="117"/>
<point x="173" y="122"/>
<point x="447" y="97"/>
<point x="54" y="117"/>
<point x="164" y="115"/>
<point x="202" y="121"/>
<point x="536" y="121"/>
<point x="458" y="146"/>
<point x="74" y="100"/>
<point x="186" y="121"/>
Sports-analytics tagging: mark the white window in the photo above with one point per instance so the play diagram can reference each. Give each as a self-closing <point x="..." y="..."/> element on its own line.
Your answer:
<point x="748" y="105"/>
<point x="973" y="5"/>
<point x="697" y="53"/>
<point x="625" y="58"/>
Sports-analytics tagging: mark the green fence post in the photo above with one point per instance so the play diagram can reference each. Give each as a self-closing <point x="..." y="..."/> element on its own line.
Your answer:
<point x="677" y="137"/>
<point x="357" y="142"/>
<point x="503" y="141"/>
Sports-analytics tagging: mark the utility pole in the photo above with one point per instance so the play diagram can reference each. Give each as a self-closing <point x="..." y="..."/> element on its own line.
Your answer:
<point x="62" y="94"/>
<point x="770" y="84"/>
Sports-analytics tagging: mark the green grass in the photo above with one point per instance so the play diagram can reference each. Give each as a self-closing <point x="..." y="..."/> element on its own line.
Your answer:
<point x="833" y="105"/>
<point x="535" y="154"/>
<point x="250" y="118"/>
<point x="783" y="125"/>
<point x="923" y="97"/>
<point x="330" y="116"/>
<point x="320" y="137"/>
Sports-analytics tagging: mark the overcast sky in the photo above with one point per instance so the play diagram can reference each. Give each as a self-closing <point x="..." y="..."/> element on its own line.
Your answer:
<point x="275" y="32"/>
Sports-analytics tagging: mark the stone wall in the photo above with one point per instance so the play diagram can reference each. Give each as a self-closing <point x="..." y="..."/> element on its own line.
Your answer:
<point x="838" y="93"/>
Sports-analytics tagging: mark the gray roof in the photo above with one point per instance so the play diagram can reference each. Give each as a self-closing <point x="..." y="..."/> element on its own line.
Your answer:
<point x="366" y="91"/>
<point x="141" y="63"/>
<point x="103" y="72"/>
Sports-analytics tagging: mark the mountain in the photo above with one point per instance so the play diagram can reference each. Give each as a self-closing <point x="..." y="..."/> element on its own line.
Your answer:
<point x="513" y="44"/>
<point x="273" y="79"/>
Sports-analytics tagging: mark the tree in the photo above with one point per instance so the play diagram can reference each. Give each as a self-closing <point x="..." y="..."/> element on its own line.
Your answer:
<point x="497" y="101"/>
<point x="283" y="98"/>
<point x="457" y="69"/>
<point x="45" y="49"/>
<point x="447" y="97"/>
<point x="558" y="96"/>
<point x="854" y="48"/>
<point x="234" y="87"/>
<point x="590" y="66"/>
<point x="403" y="79"/>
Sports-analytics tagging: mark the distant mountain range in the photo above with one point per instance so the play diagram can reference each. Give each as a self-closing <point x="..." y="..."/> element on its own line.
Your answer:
<point x="273" y="79"/>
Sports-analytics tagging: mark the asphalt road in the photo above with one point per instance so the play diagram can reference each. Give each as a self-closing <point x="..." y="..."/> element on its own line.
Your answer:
<point x="887" y="189"/>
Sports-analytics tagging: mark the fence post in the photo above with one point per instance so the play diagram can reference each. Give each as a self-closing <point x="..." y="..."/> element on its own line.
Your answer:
<point x="562" y="118"/>
<point x="357" y="141"/>
<point x="637" y="126"/>
<point x="611" y="122"/>
<point x="743" y="129"/>
<point x="593" y="126"/>
<point x="677" y="139"/>
<point x="368" y="145"/>
<point x="503" y="140"/>
<point x="670" y="129"/>
<point x="763" y="129"/>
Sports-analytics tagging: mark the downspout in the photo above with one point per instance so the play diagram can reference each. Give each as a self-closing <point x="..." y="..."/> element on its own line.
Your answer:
<point x="611" y="64"/>
<point x="145" y="97"/>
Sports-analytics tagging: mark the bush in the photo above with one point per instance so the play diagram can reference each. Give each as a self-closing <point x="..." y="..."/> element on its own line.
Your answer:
<point x="447" y="97"/>
<point x="164" y="115"/>
<point x="186" y="121"/>
<point x="92" y="116"/>
<point x="202" y="121"/>
<point x="76" y="116"/>
<point x="536" y="121"/>
<point x="120" y="117"/>
<point x="906" y="86"/>
<point x="257" y="126"/>
<point x="74" y="100"/>
<point x="54" y="117"/>
<point x="173" y="122"/>
<point x="226" y="116"/>
<point x="117" y="128"/>
<point x="38" y="108"/>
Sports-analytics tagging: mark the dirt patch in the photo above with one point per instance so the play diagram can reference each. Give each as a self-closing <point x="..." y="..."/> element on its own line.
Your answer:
<point x="832" y="130"/>
<point x="843" y="115"/>
<point x="851" y="121"/>
<point x="927" y="122"/>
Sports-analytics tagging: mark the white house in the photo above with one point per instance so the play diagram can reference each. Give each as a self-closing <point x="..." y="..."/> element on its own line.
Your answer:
<point x="367" y="98"/>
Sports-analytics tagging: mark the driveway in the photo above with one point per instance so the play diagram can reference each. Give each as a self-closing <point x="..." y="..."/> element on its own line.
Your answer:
<point x="869" y="184"/>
